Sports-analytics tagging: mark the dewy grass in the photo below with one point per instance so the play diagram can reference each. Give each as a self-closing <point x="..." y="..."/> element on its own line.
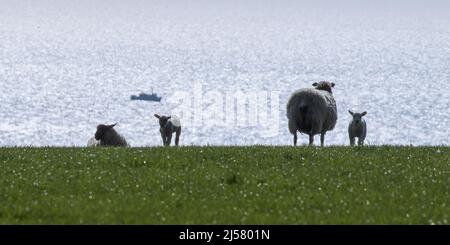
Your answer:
<point x="225" y="185"/>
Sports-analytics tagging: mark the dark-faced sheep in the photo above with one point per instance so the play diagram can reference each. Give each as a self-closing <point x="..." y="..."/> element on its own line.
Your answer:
<point x="312" y="111"/>
<point x="357" y="128"/>
<point x="106" y="135"/>
<point x="168" y="126"/>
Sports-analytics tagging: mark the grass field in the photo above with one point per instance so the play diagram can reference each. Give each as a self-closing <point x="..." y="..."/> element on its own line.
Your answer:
<point x="225" y="185"/>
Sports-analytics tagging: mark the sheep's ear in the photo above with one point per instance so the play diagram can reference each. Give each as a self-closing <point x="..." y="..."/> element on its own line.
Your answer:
<point x="351" y="112"/>
<point x="364" y="113"/>
<point x="315" y="84"/>
<point x="112" y="125"/>
<point x="169" y="117"/>
<point x="157" y="116"/>
<point x="332" y="85"/>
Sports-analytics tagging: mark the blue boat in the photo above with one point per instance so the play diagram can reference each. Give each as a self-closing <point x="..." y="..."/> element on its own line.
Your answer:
<point x="147" y="97"/>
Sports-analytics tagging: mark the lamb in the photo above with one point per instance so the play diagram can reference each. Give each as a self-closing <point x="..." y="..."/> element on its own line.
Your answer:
<point x="107" y="136"/>
<point x="168" y="126"/>
<point x="312" y="111"/>
<point x="357" y="128"/>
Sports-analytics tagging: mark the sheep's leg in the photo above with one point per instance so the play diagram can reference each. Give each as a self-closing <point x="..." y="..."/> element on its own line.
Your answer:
<point x="311" y="139"/>
<point x="295" y="138"/>
<point x="360" y="142"/>
<point x="177" y="136"/>
<point x="163" y="137"/>
<point x="322" y="138"/>
<point x="311" y="136"/>
<point x="169" y="139"/>
<point x="352" y="141"/>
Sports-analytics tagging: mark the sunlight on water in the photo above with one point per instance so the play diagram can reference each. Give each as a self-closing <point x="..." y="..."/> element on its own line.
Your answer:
<point x="66" y="67"/>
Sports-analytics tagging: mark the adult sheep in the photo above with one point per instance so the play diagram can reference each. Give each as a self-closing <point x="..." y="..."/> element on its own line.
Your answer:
<point x="106" y="135"/>
<point x="312" y="111"/>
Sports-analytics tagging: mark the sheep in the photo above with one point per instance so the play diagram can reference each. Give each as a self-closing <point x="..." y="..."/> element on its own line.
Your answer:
<point x="107" y="136"/>
<point x="357" y="128"/>
<point x="312" y="111"/>
<point x="168" y="126"/>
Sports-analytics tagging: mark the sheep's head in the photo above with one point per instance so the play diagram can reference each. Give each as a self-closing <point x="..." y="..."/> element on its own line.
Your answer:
<point x="357" y="117"/>
<point x="102" y="129"/>
<point x="324" y="85"/>
<point x="162" y="120"/>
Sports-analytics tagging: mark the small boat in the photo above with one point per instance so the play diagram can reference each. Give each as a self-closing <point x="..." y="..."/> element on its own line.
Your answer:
<point x="148" y="97"/>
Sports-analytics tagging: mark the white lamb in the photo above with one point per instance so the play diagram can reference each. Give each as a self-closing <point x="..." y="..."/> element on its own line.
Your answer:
<point x="357" y="128"/>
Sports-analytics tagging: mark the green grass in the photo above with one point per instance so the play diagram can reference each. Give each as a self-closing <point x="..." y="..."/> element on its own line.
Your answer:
<point x="225" y="185"/>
